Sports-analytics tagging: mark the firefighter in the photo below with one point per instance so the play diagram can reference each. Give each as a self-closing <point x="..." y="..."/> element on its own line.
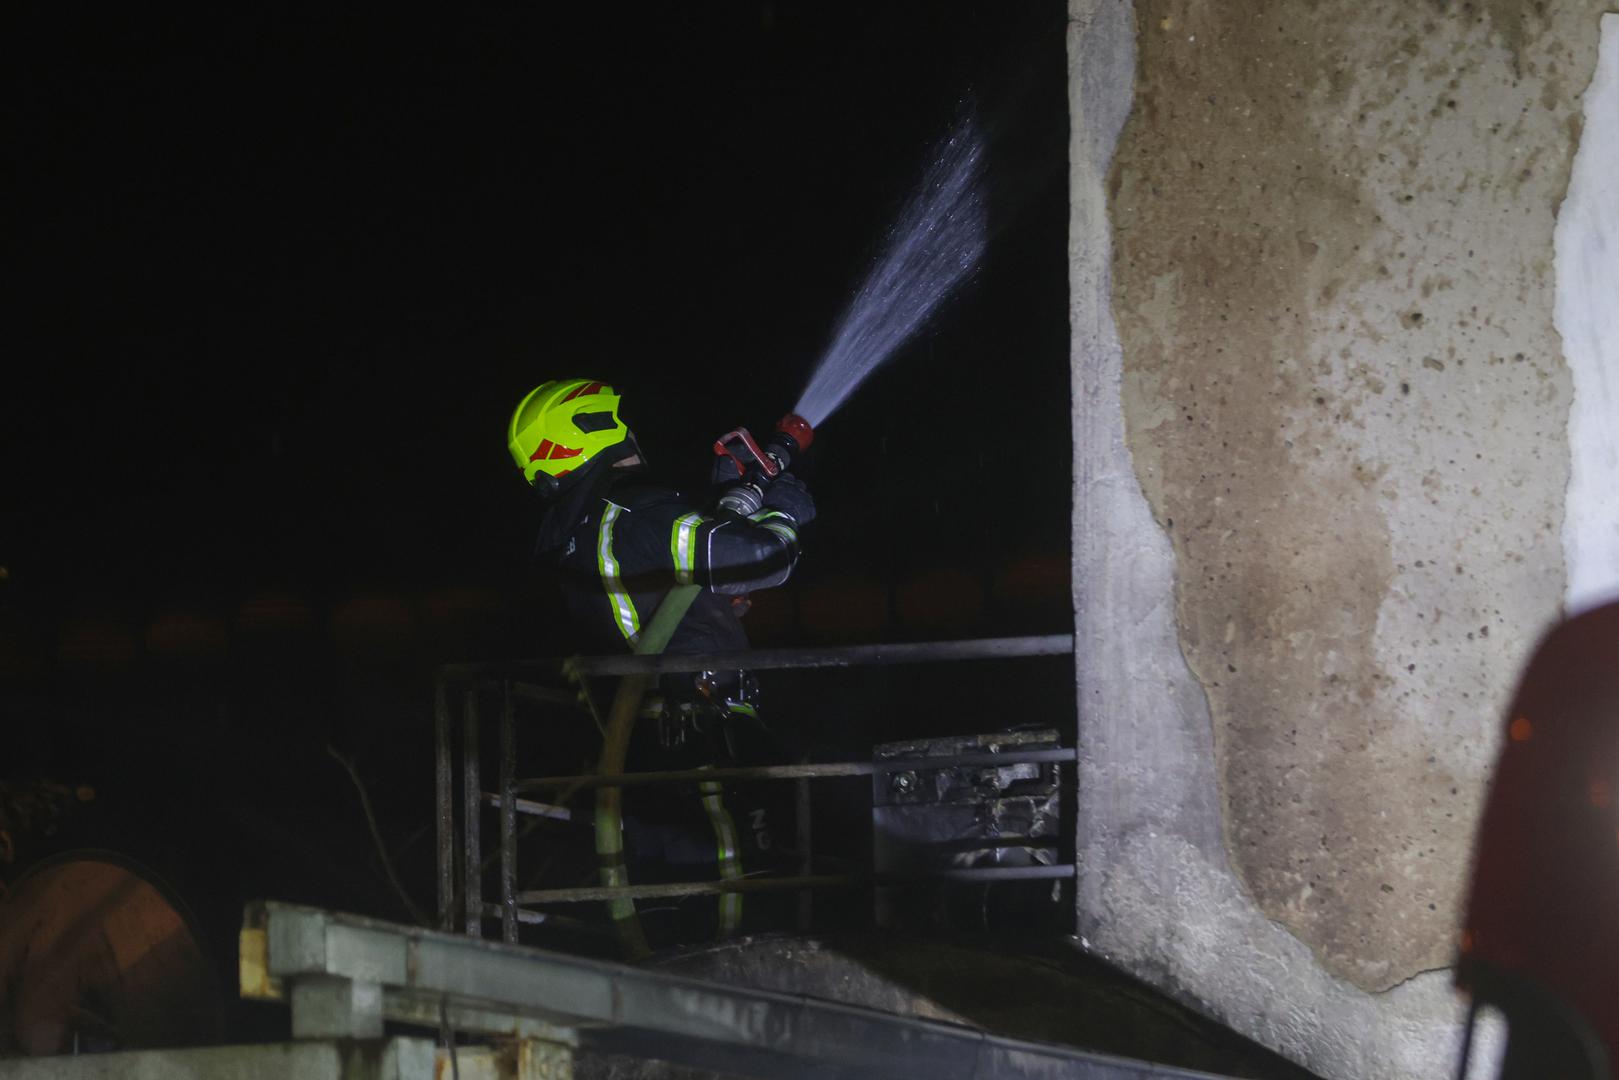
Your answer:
<point x="618" y="542"/>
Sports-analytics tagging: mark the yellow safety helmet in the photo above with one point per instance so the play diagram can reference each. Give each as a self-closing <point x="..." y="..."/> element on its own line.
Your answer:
<point x="561" y="426"/>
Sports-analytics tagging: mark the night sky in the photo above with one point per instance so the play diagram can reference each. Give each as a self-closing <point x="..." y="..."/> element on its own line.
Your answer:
<point x="280" y="278"/>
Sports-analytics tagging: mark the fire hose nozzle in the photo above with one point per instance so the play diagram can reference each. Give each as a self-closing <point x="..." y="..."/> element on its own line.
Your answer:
<point x="798" y="429"/>
<point x="758" y="465"/>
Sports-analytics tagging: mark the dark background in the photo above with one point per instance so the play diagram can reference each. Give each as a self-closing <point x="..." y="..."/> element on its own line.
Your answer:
<point x="280" y="278"/>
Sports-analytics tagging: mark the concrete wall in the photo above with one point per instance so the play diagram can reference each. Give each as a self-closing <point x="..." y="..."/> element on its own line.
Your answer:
<point x="1322" y="448"/>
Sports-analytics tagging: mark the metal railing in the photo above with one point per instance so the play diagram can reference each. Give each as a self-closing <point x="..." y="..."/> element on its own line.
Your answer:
<point x="459" y="697"/>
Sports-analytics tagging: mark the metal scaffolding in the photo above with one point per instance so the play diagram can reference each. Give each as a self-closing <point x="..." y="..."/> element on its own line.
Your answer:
<point x="464" y="691"/>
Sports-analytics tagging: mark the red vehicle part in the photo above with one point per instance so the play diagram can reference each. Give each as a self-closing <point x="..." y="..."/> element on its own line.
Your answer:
<point x="97" y="954"/>
<point x="1541" y="939"/>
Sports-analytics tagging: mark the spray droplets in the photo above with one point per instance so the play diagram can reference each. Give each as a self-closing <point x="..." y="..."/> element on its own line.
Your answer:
<point x="933" y="247"/>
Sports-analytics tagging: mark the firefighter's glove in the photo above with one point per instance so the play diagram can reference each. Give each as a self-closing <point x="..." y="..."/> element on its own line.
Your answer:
<point x="788" y="495"/>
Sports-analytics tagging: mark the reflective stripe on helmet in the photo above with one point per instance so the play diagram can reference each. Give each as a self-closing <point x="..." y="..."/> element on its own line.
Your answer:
<point x="683" y="546"/>
<point x="729" y="855"/>
<point x="584" y="390"/>
<point x="624" y="613"/>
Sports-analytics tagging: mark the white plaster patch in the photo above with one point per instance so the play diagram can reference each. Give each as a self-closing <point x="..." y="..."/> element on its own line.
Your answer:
<point x="1588" y="319"/>
<point x="1270" y="987"/>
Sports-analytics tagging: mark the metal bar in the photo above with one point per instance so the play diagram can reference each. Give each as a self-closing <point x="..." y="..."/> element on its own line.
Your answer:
<point x="1012" y="756"/>
<point x="1003" y="842"/>
<point x="444" y="809"/>
<point x="595" y="893"/>
<point x="640" y="779"/>
<point x="806" y="857"/>
<point x="545" y="695"/>
<point x="926" y="652"/>
<point x="918" y="652"/>
<point x="591" y="893"/>
<point x="536" y="809"/>
<point x="701" y="1025"/>
<point x="575" y="927"/>
<point x="533" y="918"/>
<point x="472" y="842"/>
<point x="508" y="817"/>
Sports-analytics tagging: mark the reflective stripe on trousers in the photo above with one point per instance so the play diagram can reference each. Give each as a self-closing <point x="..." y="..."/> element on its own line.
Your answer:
<point x="729" y="853"/>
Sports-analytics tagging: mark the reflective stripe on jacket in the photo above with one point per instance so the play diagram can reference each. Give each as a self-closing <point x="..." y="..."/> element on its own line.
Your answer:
<point x="639" y="539"/>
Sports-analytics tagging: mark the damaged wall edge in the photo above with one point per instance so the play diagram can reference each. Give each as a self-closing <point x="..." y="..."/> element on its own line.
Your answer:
<point x="1587" y="253"/>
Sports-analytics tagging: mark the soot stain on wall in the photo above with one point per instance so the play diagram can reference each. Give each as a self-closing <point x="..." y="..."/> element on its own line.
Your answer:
<point x="1346" y="404"/>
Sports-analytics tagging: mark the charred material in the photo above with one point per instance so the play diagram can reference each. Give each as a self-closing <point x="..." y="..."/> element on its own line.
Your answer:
<point x="952" y="816"/>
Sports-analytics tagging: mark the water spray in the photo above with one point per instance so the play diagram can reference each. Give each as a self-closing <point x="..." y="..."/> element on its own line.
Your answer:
<point x="934" y="245"/>
<point x="932" y="248"/>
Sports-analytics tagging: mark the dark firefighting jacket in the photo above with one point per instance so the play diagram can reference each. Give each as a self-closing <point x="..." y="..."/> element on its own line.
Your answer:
<point x="628" y="545"/>
<point x="619" y="545"/>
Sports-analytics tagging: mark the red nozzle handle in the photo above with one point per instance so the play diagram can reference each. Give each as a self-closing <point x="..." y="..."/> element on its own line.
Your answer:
<point x="798" y="429"/>
<point x="739" y="446"/>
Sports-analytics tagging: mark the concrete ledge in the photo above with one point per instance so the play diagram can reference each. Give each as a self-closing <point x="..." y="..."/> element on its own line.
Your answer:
<point x="379" y="1059"/>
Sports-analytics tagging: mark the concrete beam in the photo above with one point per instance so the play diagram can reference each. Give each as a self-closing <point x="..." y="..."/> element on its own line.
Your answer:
<point x="382" y="1059"/>
<point x="620" y="1009"/>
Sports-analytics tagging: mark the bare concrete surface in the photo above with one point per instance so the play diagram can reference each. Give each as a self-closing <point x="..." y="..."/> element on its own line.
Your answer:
<point x="1347" y="404"/>
<point x="1303" y="590"/>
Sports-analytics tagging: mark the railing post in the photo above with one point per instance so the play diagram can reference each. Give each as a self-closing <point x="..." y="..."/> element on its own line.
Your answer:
<point x="472" y="808"/>
<point x="508" y="816"/>
<point x="444" y="809"/>
<point x="806" y="856"/>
